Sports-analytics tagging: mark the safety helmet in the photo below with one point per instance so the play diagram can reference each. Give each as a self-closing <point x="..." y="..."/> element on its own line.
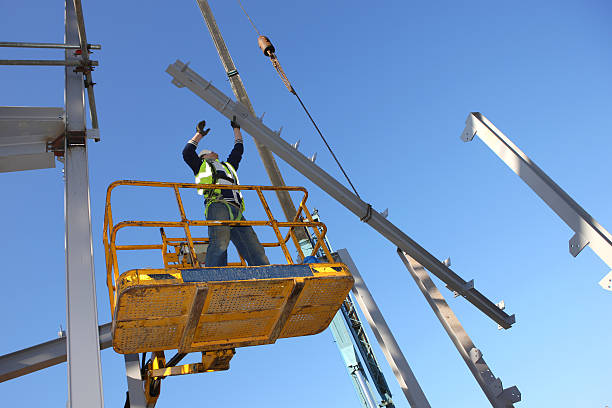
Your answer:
<point x="204" y="152"/>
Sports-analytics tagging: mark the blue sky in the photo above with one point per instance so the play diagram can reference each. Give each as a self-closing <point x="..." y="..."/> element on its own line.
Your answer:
<point x="390" y="85"/>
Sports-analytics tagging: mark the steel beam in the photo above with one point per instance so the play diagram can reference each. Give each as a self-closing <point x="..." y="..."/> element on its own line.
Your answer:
<point x="587" y="230"/>
<point x="491" y="386"/>
<point x="134" y="381"/>
<point x="68" y="63"/>
<point x="47" y="45"/>
<point x="186" y="77"/>
<point x="83" y="346"/>
<point x="43" y="355"/>
<point x="406" y="379"/>
<point x="89" y="83"/>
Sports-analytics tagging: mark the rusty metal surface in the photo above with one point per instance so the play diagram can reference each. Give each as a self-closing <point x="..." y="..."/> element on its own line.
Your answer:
<point x="156" y="314"/>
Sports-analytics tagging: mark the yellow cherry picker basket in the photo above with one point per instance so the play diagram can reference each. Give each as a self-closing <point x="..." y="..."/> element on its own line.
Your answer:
<point x="182" y="305"/>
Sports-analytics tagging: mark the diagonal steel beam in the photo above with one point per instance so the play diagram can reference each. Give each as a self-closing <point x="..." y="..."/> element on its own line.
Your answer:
<point x="587" y="230"/>
<point x="392" y="351"/>
<point x="186" y="77"/>
<point x="498" y="396"/>
<point x="43" y="355"/>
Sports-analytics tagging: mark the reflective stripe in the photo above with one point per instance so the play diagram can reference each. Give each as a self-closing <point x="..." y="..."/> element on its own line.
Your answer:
<point x="205" y="176"/>
<point x="237" y="193"/>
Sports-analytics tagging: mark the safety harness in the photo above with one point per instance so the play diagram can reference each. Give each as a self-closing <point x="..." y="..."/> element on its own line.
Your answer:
<point x="217" y="172"/>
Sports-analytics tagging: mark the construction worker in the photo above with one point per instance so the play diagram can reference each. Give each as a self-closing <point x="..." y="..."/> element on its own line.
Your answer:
<point x="223" y="204"/>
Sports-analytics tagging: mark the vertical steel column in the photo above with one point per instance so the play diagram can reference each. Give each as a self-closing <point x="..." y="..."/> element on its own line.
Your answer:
<point x="492" y="386"/>
<point x="134" y="380"/>
<point x="387" y="342"/>
<point x="239" y="90"/>
<point x="83" y="347"/>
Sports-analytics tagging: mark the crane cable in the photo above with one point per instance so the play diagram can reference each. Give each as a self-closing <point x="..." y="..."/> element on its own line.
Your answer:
<point x="269" y="51"/>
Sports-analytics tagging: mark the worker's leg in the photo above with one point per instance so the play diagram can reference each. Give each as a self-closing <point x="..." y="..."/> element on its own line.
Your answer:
<point x="216" y="254"/>
<point x="248" y="245"/>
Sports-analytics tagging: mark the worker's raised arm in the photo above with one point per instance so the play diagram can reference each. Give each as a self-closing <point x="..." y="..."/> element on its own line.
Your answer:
<point x="236" y="154"/>
<point x="237" y="132"/>
<point x="189" y="151"/>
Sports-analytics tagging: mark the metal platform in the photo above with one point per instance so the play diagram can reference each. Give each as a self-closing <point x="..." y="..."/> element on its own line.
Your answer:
<point x="204" y="309"/>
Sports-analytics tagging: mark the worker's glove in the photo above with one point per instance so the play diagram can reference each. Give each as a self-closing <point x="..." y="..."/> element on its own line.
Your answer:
<point x="234" y="124"/>
<point x="200" y="128"/>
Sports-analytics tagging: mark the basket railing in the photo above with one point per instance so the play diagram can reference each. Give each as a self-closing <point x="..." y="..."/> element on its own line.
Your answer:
<point x="302" y="219"/>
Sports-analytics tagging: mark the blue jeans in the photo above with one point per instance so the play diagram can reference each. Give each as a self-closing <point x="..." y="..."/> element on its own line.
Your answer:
<point x="244" y="238"/>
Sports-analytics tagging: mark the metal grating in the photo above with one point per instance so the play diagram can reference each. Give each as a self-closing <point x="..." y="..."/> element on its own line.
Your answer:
<point x="324" y="292"/>
<point x="302" y="324"/>
<point x="152" y="315"/>
<point x="138" y="339"/>
<point x="248" y="296"/>
<point x="233" y="329"/>
<point x="153" y="301"/>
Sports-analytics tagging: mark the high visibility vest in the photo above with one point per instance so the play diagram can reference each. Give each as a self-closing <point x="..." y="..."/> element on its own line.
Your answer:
<point x="219" y="173"/>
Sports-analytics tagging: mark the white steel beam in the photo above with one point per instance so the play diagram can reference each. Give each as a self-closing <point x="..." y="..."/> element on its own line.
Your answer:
<point x="43" y="355"/>
<point x="405" y="377"/>
<point x="25" y="133"/>
<point x="587" y="230"/>
<point x="134" y="379"/>
<point x="186" y="77"/>
<point x="83" y="346"/>
<point x="492" y="386"/>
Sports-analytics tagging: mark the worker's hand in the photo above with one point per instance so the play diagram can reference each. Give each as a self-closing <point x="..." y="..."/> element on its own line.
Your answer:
<point x="200" y="128"/>
<point x="234" y="124"/>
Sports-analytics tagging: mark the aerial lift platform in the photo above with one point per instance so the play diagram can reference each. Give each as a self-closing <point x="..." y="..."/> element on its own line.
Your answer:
<point x="187" y="307"/>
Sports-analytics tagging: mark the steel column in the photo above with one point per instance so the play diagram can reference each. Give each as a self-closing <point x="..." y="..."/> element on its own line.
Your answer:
<point x="387" y="342"/>
<point x="186" y="77"/>
<point x="83" y="346"/>
<point x="492" y="386"/>
<point x="134" y="380"/>
<point x="587" y="230"/>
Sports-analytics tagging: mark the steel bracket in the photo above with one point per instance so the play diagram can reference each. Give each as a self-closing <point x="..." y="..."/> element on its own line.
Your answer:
<point x="577" y="244"/>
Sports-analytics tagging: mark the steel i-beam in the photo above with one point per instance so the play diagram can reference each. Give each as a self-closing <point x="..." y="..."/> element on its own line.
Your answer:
<point x="498" y="396"/>
<point x="393" y="353"/>
<point x="83" y="347"/>
<point x="43" y="355"/>
<point x="587" y="230"/>
<point x="186" y="77"/>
